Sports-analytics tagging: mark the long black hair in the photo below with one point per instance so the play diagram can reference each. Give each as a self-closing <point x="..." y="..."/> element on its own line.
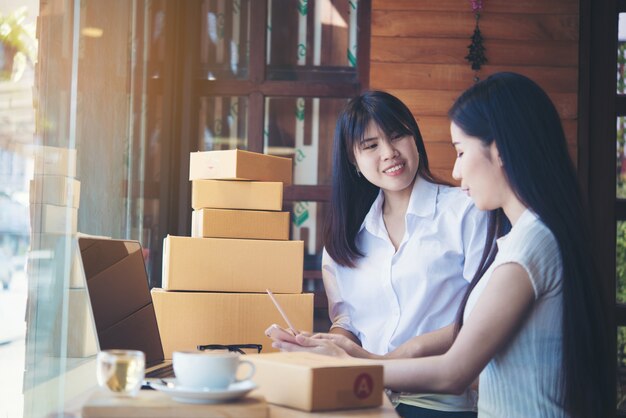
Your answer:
<point x="517" y="114"/>
<point x="352" y="195"/>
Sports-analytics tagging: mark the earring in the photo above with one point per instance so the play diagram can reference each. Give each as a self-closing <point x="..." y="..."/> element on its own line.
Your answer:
<point x="358" y="173"/>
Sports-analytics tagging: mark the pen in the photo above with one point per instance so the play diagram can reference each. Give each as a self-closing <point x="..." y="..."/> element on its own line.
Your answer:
<point x="282" y="313"/>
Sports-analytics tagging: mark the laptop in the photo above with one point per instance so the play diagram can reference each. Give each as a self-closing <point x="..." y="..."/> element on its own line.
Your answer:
<point x="120" y="299"/>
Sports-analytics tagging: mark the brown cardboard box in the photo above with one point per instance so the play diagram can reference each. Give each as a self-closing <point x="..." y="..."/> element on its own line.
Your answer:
<point x="224" y="194"/>
<point x="239" y="165"/>
<point x="52" y="219"/>
<point x="55" y="161"/>
<point x="189" y="319"/>
<point x="250" y="224"/>
<point x="313" y="382"/>
<point x="232" y="265"/>
<point x="55" y="190"/>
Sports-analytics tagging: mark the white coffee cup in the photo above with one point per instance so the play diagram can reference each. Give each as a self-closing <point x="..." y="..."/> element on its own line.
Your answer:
<point x="208" y="370"/>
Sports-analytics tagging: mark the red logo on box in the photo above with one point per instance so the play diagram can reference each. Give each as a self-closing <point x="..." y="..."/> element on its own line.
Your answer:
<point x="363" y="386"/>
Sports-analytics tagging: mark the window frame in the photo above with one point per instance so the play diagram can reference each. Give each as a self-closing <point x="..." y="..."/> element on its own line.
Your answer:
<point x="182" y="90"/>
<point x="596" y="148"/>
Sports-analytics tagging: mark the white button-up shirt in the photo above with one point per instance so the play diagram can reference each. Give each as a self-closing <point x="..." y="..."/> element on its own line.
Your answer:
<point x="392" y="296"/>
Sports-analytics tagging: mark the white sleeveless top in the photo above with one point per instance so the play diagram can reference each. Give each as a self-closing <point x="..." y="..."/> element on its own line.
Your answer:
<point x="524" y="379"/>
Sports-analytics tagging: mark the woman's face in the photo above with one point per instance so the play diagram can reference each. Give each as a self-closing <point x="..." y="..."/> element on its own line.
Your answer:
<point x="389" y="163"/>
<point x="479" y="169"/>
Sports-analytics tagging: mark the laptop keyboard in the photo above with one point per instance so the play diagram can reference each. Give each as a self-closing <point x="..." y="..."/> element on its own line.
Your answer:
<point x="166" y="371"/>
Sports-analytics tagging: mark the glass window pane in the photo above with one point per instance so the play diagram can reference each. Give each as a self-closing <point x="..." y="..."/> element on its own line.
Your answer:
<point x="224" y="39"/>
<point x="302" y="129"/>
<point x="621" y="54"/>
<point x="620" y="262"/>
<point x="620" y="154"/>
<point x="306" y="39"/>
<point x="106" y="144"/>
<point x="621" y="368"/>
<point x="17" y="128"/>
<point x="223" y="123"/>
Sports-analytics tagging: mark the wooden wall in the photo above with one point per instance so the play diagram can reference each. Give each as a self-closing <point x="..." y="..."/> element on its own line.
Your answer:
<point x="418" y="49"/>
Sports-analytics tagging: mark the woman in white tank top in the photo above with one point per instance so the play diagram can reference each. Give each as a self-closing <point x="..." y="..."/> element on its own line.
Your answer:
<point x="531" y="328"/>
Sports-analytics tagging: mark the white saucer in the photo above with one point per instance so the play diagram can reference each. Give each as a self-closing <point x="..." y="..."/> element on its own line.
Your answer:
<point x="202" y="395"/>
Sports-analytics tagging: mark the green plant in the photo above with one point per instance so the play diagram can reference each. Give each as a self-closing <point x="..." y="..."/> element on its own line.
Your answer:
<point x="17" y="39"/>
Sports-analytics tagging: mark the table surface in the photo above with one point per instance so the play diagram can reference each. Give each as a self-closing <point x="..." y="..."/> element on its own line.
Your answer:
<point x="384" y="411"/>
<point x="97" y="403"/>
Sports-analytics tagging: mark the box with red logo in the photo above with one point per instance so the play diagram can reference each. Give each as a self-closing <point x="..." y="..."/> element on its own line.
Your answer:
<point x="312" y="382"/>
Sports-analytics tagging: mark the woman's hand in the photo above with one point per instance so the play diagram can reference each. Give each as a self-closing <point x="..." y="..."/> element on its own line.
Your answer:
<point x="313" y="345"/>
<point x="346" y="344"/>
<point x="276" y="333"/>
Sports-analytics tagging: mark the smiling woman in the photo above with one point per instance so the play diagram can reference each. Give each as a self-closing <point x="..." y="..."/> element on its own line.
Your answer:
<point x="400" y="246"/>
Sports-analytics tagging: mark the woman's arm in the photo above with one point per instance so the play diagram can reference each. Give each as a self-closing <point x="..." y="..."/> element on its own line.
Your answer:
<point x="429" y="344"/>
<point x="436" y="342"/>
<point x="337" y="310"/>
<point x="345" y="333"/>
<point x="496" y="318"/>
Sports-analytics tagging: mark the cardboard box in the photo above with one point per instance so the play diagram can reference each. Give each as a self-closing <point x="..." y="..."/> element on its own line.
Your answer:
<point x="232" y="265"/>
<point x="56" y="161"/>
<point x="313" y="382"/>
<point x="189" y="319"/>
<point x="55" y="190"/>
<point x="52" y="219"/>
<point x="223" y="194"/>
<point x="250" y="224"/>
<point x="239" y="165"/>
<point x="81" y="336"/>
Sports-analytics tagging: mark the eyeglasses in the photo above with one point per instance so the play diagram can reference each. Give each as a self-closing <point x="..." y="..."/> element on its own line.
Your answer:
<point x="233" y="348"/>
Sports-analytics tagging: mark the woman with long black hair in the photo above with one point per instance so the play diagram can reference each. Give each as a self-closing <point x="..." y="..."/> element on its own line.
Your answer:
<point x="532" y="324"/>
<point x="401" y="247"/>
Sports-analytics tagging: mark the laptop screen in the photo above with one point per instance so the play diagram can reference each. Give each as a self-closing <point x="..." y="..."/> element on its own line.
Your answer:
<point x="117" y="283"/>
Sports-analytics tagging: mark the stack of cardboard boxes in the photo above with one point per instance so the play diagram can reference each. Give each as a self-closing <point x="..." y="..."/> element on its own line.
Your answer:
<point x="54" y="202"/>
<point x="214" y="282"/>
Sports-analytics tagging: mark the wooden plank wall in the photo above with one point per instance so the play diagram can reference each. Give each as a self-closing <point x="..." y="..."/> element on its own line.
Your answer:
<point x="418" y="49"/>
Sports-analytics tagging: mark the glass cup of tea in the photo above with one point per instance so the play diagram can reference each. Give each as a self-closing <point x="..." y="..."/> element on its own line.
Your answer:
<point x="121" y="371"/>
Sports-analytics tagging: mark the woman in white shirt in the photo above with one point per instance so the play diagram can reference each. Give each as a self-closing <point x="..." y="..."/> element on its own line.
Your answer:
<point x="397" y="241"/>
<point x="532" y="326"/>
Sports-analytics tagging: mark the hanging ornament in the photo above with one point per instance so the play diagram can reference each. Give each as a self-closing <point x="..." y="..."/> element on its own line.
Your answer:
<point x="476" y="55"/>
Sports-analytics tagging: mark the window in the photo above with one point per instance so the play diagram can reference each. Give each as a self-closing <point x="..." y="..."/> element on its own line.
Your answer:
<point x="602" y="110"/>
<point x="129" y="89"/>
<point x="271" y="76"/>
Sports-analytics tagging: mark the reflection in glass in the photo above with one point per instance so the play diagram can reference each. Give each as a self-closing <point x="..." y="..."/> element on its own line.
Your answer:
<point x="107" y="139"/>
<point x="621" y="368"/>
<point x="620" y="156"/>
<point x="621" y="54"/>
<point x="225" y="39"/>
<point x="620" y="262"/>
<point x="320" y="35"/>
<point x="223" y="123"/>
